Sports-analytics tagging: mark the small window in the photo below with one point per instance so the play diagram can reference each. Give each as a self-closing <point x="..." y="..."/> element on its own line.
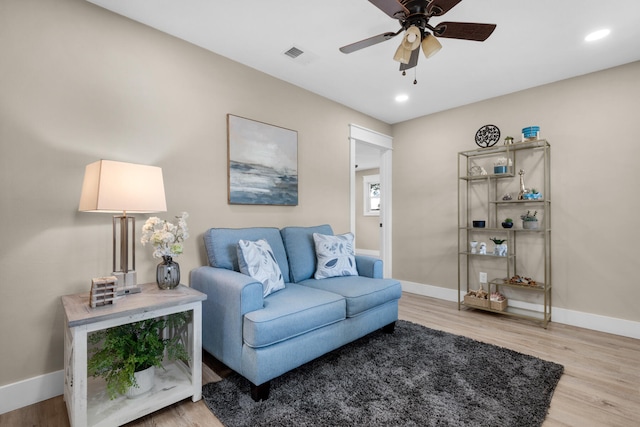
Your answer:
<point x="371" y="195"/>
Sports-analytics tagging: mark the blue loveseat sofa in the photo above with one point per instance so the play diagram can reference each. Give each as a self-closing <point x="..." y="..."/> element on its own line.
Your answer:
<point x="260" y="337"/>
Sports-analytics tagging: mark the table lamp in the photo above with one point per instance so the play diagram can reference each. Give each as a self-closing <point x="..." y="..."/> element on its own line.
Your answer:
<point x="117" y="187"/>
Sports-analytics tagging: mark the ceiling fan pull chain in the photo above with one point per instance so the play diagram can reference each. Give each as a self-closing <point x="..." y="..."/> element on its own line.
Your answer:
<point x="415" y="76"/>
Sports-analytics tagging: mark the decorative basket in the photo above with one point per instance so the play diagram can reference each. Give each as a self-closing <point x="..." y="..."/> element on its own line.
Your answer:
<point x="498" y="305"/>
<point x="473" y="301"/>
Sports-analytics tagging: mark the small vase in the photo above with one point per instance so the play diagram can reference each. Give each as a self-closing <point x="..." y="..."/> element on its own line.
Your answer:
<point x="530" y="225"/>
<point x="500" y="250"/>
<point x="168" y="273"/>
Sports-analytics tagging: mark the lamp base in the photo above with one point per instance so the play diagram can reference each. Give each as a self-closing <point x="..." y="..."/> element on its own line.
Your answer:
<point x="127" y="283"/>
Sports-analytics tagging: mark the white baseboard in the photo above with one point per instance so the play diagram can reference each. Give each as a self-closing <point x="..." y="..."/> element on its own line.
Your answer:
<point x="429" y="291"/>
<point x="596" y="322"/>
<point x="32" y="390"/>
<point x="368" y="252"/>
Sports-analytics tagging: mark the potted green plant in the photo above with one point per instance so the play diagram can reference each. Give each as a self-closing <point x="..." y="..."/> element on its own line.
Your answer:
<point x="529" y="220"/>
<point x="507" y="223"/>
<point x="120" y="353"/>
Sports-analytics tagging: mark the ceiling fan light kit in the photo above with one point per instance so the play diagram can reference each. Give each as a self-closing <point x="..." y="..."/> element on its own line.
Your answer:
<point x="413" y="17"/>
<point x="410" y="42"/>
<point x="430" y="46"/>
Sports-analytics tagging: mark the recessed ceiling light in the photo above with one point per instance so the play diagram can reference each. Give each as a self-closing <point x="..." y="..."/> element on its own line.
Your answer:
<point x="597" y="35"/>
<point x="402" y="98"/>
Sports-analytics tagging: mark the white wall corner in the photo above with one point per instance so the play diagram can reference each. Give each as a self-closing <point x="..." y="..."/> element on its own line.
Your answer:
<point x="32" y="390"/>
<point x="595" y="322"/>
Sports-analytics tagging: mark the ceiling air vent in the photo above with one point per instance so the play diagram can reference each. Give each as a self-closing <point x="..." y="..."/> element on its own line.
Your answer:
<point x="294" y="52"/>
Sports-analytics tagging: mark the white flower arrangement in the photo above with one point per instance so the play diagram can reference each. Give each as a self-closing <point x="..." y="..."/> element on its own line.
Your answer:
<point x="166" y="238"/>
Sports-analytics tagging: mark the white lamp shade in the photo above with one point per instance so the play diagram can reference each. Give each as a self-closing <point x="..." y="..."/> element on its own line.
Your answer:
<point x="116" y="187"/>
<point x="430" y="46"/>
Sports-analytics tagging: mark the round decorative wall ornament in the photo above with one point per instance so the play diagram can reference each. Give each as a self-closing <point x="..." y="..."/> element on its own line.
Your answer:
<point x="487" y="136"/>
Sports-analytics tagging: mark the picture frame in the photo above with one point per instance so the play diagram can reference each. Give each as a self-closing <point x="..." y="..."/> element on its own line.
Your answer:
<point x="262" y="163"/>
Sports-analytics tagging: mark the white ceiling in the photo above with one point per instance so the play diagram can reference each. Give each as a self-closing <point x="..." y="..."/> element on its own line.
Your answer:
<point x="536" y="42"/>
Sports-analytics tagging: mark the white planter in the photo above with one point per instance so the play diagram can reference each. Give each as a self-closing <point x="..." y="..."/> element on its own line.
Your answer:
<point x="530" y="225"/>
<point x="500" y="250"/>
<point x="145" y="380"/>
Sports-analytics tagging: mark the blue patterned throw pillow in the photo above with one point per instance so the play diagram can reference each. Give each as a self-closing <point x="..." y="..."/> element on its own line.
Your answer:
<point x="335" y="256"/>
<point x="256" y="259"/>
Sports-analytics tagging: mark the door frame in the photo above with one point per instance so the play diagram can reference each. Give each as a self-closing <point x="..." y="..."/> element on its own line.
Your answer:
<point x="385" y="144"/>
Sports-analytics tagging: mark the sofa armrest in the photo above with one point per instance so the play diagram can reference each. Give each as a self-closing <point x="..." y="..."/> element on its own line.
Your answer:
<point x="230" y="295"/>
<point x="369" y="266"/>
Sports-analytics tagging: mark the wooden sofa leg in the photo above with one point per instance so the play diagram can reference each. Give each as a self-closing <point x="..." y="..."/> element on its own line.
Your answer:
<point x="388" y="329"/>
<point x="260" y="392"/>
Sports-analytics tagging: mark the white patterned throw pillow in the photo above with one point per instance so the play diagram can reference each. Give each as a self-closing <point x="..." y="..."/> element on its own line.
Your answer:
<point x="335" y="255"/>
<point x="256" y="259"/>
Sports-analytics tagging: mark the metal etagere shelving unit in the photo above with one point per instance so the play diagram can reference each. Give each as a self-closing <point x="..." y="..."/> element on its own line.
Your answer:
<point x="492" y="197"/>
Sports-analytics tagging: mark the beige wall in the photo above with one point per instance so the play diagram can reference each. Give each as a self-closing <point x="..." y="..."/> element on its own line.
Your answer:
<point x="367" y="227"/>
<point x="77" y="84"/>
<point x="591" y="123"/>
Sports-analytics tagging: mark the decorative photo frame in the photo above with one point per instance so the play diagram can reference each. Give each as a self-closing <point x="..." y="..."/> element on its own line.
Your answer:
<point x="262" y="163"/>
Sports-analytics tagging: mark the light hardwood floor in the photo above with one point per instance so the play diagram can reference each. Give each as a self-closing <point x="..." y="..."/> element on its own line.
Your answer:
<point x="600" y="385"/>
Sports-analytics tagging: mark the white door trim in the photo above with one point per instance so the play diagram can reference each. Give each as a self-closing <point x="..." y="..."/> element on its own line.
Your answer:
<point x="385" y="144"/>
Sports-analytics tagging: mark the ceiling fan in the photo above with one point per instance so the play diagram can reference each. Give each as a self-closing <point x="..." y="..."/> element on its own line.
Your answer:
<point x="414" y="16"/>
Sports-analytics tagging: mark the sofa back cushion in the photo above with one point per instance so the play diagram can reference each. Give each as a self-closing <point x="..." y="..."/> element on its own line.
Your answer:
<point x="301" y="251"/>
<point x="222" y="245"/>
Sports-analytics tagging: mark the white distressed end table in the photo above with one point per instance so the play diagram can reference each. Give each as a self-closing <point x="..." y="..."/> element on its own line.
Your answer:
<point x="87" y="401"/>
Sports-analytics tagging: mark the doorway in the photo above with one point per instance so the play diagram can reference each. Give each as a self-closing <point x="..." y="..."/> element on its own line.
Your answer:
<point x="371" y="151"/>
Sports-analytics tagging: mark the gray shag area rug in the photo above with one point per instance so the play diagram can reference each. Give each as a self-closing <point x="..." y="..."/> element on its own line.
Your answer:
<point x="414" y="377"/>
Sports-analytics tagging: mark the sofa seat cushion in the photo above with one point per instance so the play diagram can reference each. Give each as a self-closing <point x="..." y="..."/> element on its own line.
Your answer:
<point x="290" y="312"/>
<point x="361" y="293"/>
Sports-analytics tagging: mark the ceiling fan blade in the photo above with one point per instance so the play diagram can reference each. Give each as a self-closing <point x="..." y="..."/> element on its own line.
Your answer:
<point x="464" y="30"/>
<point x="440" y="7"/>
<point x="415" y="54"/>
<point x="393" y="8"/>
<point x="368" y="42"/>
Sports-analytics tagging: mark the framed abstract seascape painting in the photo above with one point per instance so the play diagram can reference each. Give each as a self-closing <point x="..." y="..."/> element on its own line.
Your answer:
<point x="263" y="163"/>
